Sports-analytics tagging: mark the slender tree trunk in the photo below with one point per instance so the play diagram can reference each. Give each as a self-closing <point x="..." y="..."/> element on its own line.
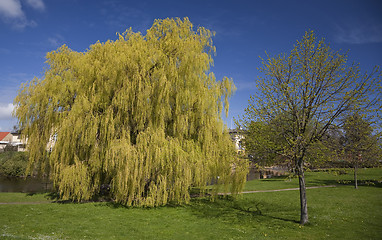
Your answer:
<point x="355" y="177"/>
<point x="303" y="200"/>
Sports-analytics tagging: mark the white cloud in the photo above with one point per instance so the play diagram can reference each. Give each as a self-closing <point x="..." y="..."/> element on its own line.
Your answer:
<point x="11" y="9"/>
<point x="6" y="111"/>
<point x="53" y="41"/>
<point x="36" y="4"/>
<point x="359" y="34"/>
<point x="11" y="12"/>
<point x="56" y="40"/>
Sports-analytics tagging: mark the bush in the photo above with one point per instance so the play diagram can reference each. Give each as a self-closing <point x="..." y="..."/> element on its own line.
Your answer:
<point x="13" y="163"/>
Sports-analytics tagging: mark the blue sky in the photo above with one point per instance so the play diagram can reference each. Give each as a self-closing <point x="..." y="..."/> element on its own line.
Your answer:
<point x="244" y="31"/>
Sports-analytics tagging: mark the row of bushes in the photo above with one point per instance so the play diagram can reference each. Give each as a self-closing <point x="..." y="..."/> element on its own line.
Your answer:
<point x="13" y="163"/>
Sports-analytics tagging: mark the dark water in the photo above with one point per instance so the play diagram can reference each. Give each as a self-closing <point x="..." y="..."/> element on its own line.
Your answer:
<point x="26" y="185"/>
<point x="33" y="185"/>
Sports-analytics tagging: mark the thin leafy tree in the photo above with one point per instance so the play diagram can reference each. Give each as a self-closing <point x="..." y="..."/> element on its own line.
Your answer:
<point x="360" y="142"/>
<point x="302" y="94"/>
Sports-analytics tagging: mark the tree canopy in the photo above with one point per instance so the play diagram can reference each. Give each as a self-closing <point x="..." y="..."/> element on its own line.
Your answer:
<point x="302" y="94"/>
<point x="360" y="140"/>
<point x="141" y="114"/>
<point x="361" y="146"/>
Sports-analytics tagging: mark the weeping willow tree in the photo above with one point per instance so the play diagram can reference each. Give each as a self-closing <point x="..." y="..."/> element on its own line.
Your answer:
<point x="141" y="114"/>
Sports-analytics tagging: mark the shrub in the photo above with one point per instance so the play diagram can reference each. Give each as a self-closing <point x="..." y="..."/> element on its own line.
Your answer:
<point x="13" y="163"/>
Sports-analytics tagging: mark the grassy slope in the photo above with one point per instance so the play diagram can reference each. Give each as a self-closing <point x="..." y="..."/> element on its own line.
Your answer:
<point x="335" y="213"/>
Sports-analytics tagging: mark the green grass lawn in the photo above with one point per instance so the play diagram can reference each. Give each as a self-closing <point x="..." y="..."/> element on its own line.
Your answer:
<point x="366" y="176"/>
<point x="334" y="213"/>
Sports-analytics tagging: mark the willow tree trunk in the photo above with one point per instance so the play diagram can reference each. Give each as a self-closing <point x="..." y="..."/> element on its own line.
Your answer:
<point x="303" y="201"/>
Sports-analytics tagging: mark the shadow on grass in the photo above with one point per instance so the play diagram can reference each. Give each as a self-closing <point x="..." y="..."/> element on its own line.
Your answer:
<point x="31" y="194"/>
<point x="364" y="183"/>
<point x="236" y="211"/>
<point x="319" y="182"/>
<point x="55" y="198"/>
<point x="225" y="208"/>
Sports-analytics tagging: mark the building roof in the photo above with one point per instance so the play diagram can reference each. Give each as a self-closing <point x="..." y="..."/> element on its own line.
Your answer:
<point x="3" y="135"/>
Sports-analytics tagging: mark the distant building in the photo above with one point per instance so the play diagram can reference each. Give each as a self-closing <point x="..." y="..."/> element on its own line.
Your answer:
<point x="237" y="135"/>
<point x="5" y="138"/>
<point x="12" y="140"/>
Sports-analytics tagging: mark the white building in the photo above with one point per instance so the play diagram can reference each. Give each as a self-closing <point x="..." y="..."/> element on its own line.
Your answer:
<point x="237" y="135"/>
<point x="12" y="139"/>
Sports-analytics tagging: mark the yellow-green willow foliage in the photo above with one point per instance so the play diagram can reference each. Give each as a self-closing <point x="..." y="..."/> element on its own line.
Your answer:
<point x="141" y="114"/>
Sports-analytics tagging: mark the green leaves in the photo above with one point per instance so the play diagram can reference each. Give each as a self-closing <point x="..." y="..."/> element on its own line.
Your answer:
<point x="360" y="140"/>
<point x="141" y="113"/>
<point x="310" y="89"/>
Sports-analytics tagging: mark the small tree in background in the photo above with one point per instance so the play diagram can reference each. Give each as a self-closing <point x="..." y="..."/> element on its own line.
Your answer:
<point x="141" y="114"/>
<point x="360" y="143"/>
<point x="303" y="94"/>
